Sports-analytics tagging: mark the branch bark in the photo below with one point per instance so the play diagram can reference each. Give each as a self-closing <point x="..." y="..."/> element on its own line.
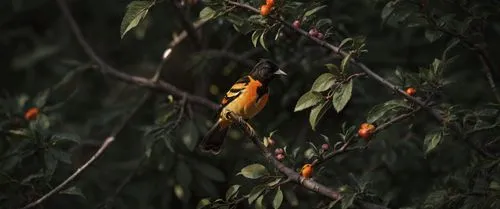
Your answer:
<point x="290" y="173"/>
<point x="139" y="81"/>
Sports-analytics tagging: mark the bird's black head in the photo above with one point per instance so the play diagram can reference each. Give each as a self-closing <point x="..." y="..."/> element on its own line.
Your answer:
<point x="265" y="70"/>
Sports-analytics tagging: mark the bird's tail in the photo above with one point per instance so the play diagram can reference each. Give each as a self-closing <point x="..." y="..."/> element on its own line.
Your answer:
<point x="214" y="138"/>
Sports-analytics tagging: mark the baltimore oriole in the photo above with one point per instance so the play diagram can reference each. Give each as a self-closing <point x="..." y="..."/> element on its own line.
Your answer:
<point x="245" y="98"/>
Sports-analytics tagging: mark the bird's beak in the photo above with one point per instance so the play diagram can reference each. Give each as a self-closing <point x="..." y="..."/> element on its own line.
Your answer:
<point x="280" y="72"/>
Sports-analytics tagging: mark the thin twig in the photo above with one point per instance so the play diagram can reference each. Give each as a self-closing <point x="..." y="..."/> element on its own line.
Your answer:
<point x="480" y="51"/>
<point x="186" y="23"/>
<point x="101" y="149"/>
<point x="139" y="81"/>
<point x="396" y="119"/>
<point x="116" y="130"/>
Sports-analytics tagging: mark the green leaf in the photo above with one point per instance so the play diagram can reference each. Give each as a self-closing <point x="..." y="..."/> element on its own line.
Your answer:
<point x="73" y="191"/>
<point x="432" y="140"/>
<point x="50" y="164"/>
<point x="379" y="111"/>
<point x="388" y="9"/>
<point x="307" y="100"/>
<point x="136" y="11"/>
<point x="312" y="11"/>
<point x="495" y="185"/>
<point x="232" y="191"/>
<point x="259" y="204"/>
<point x="202" y="203"/>
<point x="324" y="21"/>
<point x="278" y="199"/>
<point x="333" y="203"/>
<point x="435" y="198"/>
<point x="207" y="13"/>
<point x="332" y="67"/>
<point x="436" y="66"/>
<point x="342" y="96"/>
<point x="210" y="172"/>
<point x="41" y="98"/>
<point x="345" y="41"/>
<point x="433" y="35"/>
<point x="183" y="174"/>
<point x="318" y="112"/>
<point x="345" y="62"/>
<point x="179" y="191"/>
<point x="191" y="134"/>
<point x="31" y="177"/>
<point x="274" y="182"/>
<point x="60" y="155"/>
<point x="62" y="137"/>
<point x="348" y="200"/>
<point x="253" y="171"/>
<point x="255" y="193"/>
<point x="262" y="41"/>
<point x="255" y="37"/>
<point x="323" y="82"/>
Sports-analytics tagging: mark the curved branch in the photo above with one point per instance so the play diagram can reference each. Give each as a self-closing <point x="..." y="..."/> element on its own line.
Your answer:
<point x="290" y="173"/>
<point x="355" y="62"/>
<point x="140" y="81"/>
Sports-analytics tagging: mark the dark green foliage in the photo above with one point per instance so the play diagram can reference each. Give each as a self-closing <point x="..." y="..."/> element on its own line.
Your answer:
<point x="445" y="49"/>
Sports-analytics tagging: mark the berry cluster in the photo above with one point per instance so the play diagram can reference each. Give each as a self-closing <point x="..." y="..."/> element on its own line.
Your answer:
<point x="313" y="32"/>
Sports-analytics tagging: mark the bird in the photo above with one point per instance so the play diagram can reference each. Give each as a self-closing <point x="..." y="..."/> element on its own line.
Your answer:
<point x="246" y="98"/>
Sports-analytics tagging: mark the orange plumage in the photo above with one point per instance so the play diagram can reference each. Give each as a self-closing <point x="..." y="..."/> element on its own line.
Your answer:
<point x="246" y="98"/>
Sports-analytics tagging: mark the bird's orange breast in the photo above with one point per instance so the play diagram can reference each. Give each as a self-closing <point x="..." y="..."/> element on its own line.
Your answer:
<point x="248" y="103"/>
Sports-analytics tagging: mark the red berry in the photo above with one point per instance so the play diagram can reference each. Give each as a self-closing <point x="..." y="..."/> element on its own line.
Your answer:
<point x="280" y="157"/>
<point x="313" y="32"/>
<point x="279" y="151"/>
<point x="325" y="147"/>
<point x="320" y="35"/>
<point x="270" y="2"/>
<point x="296" y="24"/>
<point x="32" y="113"/>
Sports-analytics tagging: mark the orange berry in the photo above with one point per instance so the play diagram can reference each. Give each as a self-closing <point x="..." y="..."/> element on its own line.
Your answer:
<point x="364" y="133"/>
<point x="31" y="113"/>
<point x="306" y="171"/>
<point x="367" y="126"/>
<point x="265" y="10"/>
<point x="270" y="3"/>
<point x="366" y="130"/>
<point x="411" y="91"/>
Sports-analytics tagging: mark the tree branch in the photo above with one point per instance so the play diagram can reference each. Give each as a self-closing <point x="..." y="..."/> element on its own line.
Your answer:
<point x="98" y="153"/>
<point x="153" y="81"/>
<point x="290" y="173"/>
<point x="360" y="65"/>
<point x="140" y="81"/>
